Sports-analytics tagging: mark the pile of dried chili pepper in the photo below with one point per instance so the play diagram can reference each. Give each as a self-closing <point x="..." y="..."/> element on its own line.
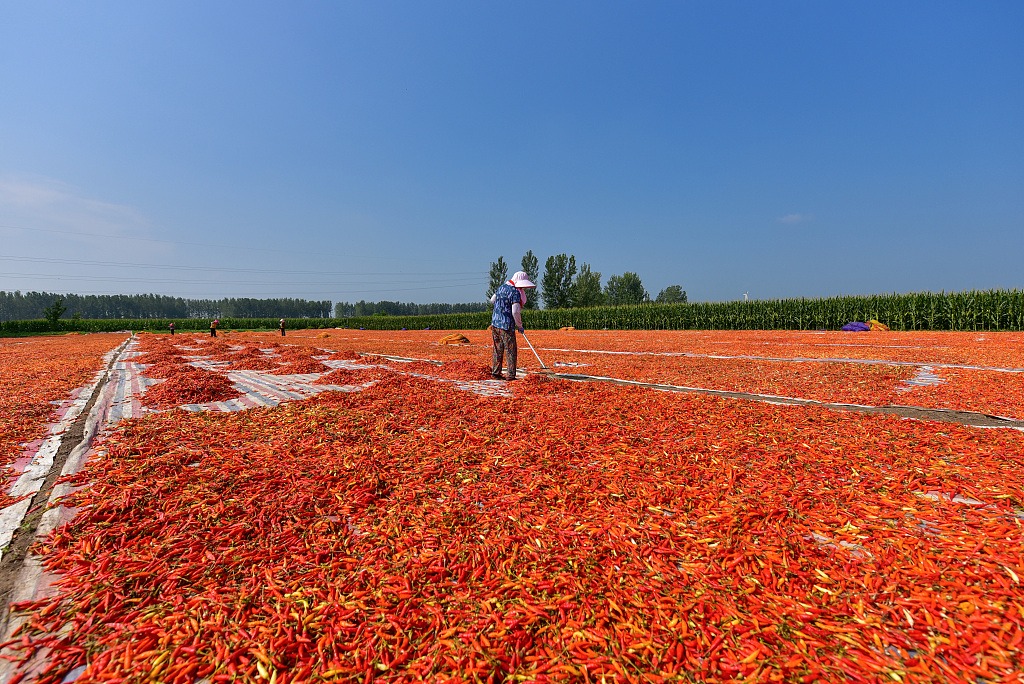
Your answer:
<point x="570" y="531"/>
<point x="189" y="385"/>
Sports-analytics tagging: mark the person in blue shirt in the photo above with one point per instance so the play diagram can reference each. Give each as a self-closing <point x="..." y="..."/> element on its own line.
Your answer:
<point x="507" y="318"/>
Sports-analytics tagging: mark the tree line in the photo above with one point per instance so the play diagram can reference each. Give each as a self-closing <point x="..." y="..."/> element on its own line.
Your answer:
<point x="386" y="308"/>
<point x="562" y="286"/>
<point x="17" y="306"/>
<point x="25" y="306"/>
<point x="565" y="287"/>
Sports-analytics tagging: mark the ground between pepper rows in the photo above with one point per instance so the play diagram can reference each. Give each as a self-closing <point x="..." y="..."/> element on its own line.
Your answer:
<point x="571" y="531"/>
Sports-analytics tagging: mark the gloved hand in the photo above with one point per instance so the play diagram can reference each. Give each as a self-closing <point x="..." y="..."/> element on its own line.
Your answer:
<point x="521" y="330"/>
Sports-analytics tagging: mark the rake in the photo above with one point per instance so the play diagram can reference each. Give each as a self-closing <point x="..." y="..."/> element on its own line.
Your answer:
<point x="534" y="351"/>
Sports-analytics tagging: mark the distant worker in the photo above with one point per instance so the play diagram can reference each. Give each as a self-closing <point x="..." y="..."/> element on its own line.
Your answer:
<point x="508" y="304"/>
<point x="282" y="327"/>
<point x="171" y="326"/>
<point x="213" y="327"/>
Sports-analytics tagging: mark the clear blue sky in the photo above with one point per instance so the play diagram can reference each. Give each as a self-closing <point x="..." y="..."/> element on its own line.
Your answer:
<point x="392" y="150"/>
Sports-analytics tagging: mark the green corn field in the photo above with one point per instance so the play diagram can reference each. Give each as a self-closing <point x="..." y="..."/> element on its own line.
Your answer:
<point x="976" y="310"/>
<point x="973" y="310"/>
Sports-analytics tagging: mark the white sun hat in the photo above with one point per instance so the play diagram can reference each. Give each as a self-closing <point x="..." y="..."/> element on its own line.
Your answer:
<point x="520" y="279"/>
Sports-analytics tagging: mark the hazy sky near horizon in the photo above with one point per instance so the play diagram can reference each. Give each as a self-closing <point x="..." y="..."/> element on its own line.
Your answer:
<point x="392" y="150"/>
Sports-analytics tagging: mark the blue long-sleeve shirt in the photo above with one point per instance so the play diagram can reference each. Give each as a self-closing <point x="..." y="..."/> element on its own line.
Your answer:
<point x="507" y="307"/>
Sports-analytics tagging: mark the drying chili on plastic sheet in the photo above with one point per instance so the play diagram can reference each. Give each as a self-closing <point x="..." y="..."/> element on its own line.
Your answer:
<point x="567" y="532"/>
<point x="875" y="369"/>
<point x="38" y="376"/>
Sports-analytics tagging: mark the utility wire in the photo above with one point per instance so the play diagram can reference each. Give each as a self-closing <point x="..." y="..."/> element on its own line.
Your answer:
<point x="116" y="264"/>
<point x="117" y="279"/>
<point x="333" y="290"/>
<point x="234" y="248"/>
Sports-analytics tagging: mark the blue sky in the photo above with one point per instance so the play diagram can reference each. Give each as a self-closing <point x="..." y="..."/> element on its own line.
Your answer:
<point x="392" y="150"/>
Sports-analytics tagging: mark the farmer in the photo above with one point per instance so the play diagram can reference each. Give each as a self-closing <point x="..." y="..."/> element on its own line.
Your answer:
<point x="213" y="327"/>
<point x="171" y="326"/>
<point x="507" y="318"/>
<point x="281" y="325"/>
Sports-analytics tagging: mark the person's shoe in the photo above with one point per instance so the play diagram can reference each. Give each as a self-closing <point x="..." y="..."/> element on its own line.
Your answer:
<point x="497" y="376"/>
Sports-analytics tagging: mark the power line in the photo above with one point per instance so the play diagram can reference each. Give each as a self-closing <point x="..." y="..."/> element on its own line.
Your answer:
<point x="150" y="279"/>
<point x="288" y="288"/>
<point x="115" y="279"/>
<point x="235" y="247"/>
<point x="227" y="269"/>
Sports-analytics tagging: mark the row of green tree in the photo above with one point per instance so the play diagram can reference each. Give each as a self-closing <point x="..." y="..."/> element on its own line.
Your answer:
<point x="972" y="310"/>
<point x="565" y="287"/>
<point x="15" y="306"/>
<point x="385" y="308"/>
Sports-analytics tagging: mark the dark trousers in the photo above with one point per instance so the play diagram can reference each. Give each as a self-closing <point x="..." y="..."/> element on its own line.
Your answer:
<point x="504" y="346"/>
<point x="213" y="332"/>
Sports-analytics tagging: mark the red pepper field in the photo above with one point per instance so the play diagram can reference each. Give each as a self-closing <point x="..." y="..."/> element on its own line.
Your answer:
<point x="421" y="522"/>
